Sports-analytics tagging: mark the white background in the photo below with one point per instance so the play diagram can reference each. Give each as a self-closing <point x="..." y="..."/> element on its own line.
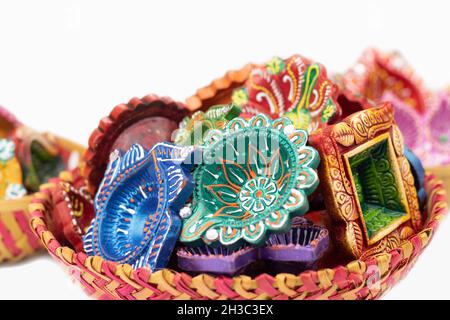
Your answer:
<point x="66" y="64"/>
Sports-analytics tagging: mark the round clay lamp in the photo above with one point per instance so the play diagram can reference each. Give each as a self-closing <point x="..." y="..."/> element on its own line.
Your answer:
<point x="145" y="121"/>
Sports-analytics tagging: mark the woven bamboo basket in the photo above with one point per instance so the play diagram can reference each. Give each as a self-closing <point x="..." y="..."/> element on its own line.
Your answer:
<point x="17" y="241"/>
<point x="360" y="279"/>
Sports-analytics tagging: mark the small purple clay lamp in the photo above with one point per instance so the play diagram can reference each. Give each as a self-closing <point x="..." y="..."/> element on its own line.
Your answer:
<point x="297" y="249"/>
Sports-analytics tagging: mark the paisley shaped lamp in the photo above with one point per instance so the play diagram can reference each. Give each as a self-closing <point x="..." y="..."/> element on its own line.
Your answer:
<point x="296" y="88"/>
<point x="137" y="220"/>
<point x="255" y="176"/>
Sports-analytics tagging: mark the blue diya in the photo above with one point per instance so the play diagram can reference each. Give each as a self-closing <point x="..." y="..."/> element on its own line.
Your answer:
<point x="137" y="205"/>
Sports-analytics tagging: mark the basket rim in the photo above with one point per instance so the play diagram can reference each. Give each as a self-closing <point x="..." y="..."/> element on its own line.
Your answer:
<point x="100" y="268"/>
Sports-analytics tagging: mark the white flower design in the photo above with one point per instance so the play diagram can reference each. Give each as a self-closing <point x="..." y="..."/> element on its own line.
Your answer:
<point x="15" y="191"/>
<point x="7" y="149"/>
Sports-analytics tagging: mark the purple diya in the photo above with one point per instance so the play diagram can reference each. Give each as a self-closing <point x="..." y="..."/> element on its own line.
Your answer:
<point x="220" y="260"/>
<point x="302" y="246"/>
<point x="305" y="242"/>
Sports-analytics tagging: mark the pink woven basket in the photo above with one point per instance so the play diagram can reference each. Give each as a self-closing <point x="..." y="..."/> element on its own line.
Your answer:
<point x="360" y="279"/>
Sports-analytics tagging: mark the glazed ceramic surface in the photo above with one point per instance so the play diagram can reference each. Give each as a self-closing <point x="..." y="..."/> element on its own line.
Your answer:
<point x="367" y="182"/>
<point x="301" y="247"/>
<point x="137" y="220"/>
<point x="145" y="121"/>
<point x="73" y="210"/>
<point x="296" y="88"/>
<point x="255" y="176"/>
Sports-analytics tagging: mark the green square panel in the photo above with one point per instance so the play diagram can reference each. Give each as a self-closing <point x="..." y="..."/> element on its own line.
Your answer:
<point x="377" y="188"/>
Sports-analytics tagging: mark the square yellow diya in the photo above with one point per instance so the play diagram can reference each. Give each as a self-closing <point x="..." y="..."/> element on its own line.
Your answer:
<point x="366" y="180"/>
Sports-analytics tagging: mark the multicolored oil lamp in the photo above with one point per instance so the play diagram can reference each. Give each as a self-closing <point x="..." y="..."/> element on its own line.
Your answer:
<point x="39" y="155"/>
<point x="296" y="88"/>
<point x="377" y="73"/>
<point x="193" y="129"/>
<point x="367" y="182"/>
<point x="426" y="133"/>
<point x="255" y="176"/>
<point x="137" y="205"/>
<point x="27" y="158"/>
<point x="421" y="115"/>
<point x="145" y="121"/>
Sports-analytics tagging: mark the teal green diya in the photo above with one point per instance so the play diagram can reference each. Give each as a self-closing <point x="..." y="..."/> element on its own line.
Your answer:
<point x="255" y="175"/>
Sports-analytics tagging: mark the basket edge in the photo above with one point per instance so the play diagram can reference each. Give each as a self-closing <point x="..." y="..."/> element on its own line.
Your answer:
<point x="167" y="283"/>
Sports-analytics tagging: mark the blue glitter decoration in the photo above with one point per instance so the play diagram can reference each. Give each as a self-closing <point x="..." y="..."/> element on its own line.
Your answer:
<point x="137" y="205"/>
